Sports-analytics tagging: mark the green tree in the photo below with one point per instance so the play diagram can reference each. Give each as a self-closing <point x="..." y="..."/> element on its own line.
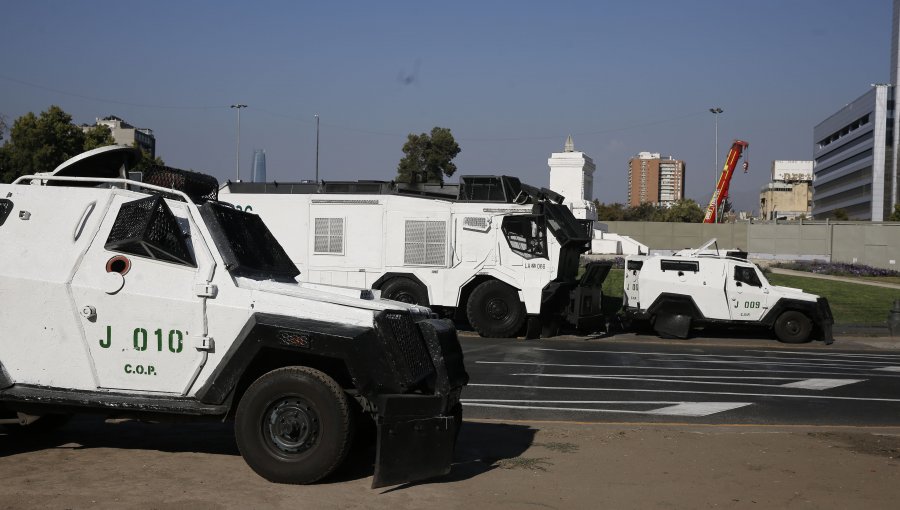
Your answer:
<point x="609" y="212"/>
<point x="895" y="216"/>
<point x="98" y="136"/>
<point x="428" y="158"/>
<point x="841" y="215"/>
<point x="39" y="143"/>
<point x="684" y="211"/>
<point x="146" y="161"/>
<point x="645" y="212"/>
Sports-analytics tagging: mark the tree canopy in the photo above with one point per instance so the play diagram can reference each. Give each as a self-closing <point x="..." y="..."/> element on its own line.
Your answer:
<point x="428" y="158"/>
<point x="682" y="211"/>
<point x="39" y="143"/>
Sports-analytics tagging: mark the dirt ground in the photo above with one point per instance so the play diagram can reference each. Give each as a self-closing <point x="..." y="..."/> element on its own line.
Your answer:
<point x="96" y="464"/>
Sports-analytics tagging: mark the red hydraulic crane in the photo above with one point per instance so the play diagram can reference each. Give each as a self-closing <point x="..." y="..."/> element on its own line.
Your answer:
<point x="721" y="192"/>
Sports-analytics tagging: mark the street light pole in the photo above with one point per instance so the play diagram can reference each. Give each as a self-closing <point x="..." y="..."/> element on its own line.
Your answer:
<point x="237" y="157"/>
<point x="317" y="148"/>
<point x="716" y="111"/>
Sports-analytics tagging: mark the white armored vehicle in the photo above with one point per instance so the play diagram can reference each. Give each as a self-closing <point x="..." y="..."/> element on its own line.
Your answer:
<point x="702" y="287"/>
<point x="490" y="250"/>
<point x="152" y="299"/>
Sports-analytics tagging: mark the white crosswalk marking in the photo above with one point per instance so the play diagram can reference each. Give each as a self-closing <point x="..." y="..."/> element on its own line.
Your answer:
<point x="820" y="384"/>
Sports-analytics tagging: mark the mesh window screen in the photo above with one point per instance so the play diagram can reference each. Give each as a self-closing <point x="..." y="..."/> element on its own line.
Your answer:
<point x="424" y="242"/>
<point x="329" y="236"/>
<point x="6" y="207"/>
<point x="199" y="187"/>
<point x="147" y="228"/>
<point x="246" y="244"/>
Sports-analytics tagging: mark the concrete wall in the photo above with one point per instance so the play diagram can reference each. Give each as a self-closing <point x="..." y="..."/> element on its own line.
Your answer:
<point x="872" y="244"/>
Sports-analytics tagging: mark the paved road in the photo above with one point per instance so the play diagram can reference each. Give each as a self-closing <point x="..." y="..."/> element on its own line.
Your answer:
<point x="759" y="382"/>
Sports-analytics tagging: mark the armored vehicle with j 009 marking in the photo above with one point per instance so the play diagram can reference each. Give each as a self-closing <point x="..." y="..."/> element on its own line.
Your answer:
<point x="707" y="287"/>
<point x="151" y="299"/>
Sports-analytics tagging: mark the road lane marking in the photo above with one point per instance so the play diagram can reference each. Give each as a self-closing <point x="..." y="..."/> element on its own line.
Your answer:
<point x="770" y="358"/>
<point x="691" y="392"/>
<point x="813" y="353"/>
<point x="692" y="369"/>
<point x="806" y="384"/>
<point x="678" y="409"/>
<point x="772" y="362"/>
<point x="820" y="384"/>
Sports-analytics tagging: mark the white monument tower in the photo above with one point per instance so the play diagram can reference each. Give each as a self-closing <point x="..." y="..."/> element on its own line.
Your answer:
<point x="572" y="176"/>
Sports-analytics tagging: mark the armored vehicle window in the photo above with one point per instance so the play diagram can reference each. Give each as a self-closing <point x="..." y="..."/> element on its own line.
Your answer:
<point x="680" y="265"/>
<point x="635" y="265"/>
<point x="246" y="244"/>
<point x="746" y="275"/>
<point x="6" y="207"/>
<point x="147" y="228"/>
<point x="329" y="236"/>
<point x="526" y="235"/>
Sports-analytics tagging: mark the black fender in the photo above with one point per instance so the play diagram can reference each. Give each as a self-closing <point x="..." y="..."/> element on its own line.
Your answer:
<point x="5" y="380"/>
<point x="387" y="276"/>
<point x="675" y="304"/>
<point x="358" y="348"/>
<point x="819" y="312"/>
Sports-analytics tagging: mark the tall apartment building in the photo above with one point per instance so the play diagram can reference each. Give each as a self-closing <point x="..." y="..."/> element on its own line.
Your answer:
<point x="126" y="134"/>
<point x="655" y="180"/>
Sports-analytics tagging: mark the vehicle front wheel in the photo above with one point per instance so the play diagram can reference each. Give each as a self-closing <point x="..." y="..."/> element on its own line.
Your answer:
<point x="294" y="425"/>
<point x="494" y="310"/>
<point x="793" y="327"/>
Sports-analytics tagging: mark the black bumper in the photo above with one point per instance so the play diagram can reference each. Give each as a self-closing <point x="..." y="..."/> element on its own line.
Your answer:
<point x="824" y="320"/>
<point x="417" y="432"/>
<point x="577" y="302"/>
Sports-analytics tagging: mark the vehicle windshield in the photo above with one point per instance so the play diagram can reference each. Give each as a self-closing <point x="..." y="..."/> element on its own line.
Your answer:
<point x="526" y="235"/>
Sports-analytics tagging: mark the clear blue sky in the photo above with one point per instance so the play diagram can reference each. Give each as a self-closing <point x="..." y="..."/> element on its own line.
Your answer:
<point x="510" y="79"/>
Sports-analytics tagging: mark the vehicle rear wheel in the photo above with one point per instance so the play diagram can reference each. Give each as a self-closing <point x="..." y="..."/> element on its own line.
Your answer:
<point x="405" y="290"/>
<point x="294" y="425"/>
<point x="494" y="310"/>
<point x="793" y="327"/>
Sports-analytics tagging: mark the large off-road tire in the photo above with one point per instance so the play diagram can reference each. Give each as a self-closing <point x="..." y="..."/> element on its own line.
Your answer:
<point x="494" y="310"/>
<point x="793" y="327"/>
<point x="294" y="425"/>
<point x="405" y="290"/>
<point x="44" y="425"/>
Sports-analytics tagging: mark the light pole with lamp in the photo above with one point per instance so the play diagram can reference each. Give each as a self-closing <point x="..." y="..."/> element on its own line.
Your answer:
<point x="317" y="148"/>
<point x="716" y="111"/>
<point x="237" y="157"/>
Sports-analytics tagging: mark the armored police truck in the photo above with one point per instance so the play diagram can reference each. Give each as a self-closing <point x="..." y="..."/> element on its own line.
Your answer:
<point x="152" y="299"/>
<point x="706" y="286"/>
<point x="491" y="249"/>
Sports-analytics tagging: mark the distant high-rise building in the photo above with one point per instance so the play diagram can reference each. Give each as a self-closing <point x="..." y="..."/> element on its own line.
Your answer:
<point x="258" y="174"/>
<point x="655" y="180"/>
<point x="855" y="150"/>
<point x="853" y="159"/>
<point x="126" y="134"/>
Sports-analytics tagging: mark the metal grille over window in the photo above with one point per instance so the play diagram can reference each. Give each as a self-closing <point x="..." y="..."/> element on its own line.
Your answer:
<point x="147" y="228"/>
<point x="425" y="242"/>
<point x="405" y="347"/>
<point x="526" y="235"/>
<point x="477" y="223"/>
<point x="329" y="236"/>
<point x="199" y="187"/>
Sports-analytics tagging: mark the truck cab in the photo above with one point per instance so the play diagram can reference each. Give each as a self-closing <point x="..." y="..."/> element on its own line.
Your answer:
<point x="697" y="287"/>
<point x="153" y="299"/>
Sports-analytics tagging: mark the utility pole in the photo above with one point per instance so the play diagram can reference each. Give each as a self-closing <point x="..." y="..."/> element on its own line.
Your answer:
<point x="716" y="111"/>
<point x="237" y="157"/>
<point x="317" y="148"/>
